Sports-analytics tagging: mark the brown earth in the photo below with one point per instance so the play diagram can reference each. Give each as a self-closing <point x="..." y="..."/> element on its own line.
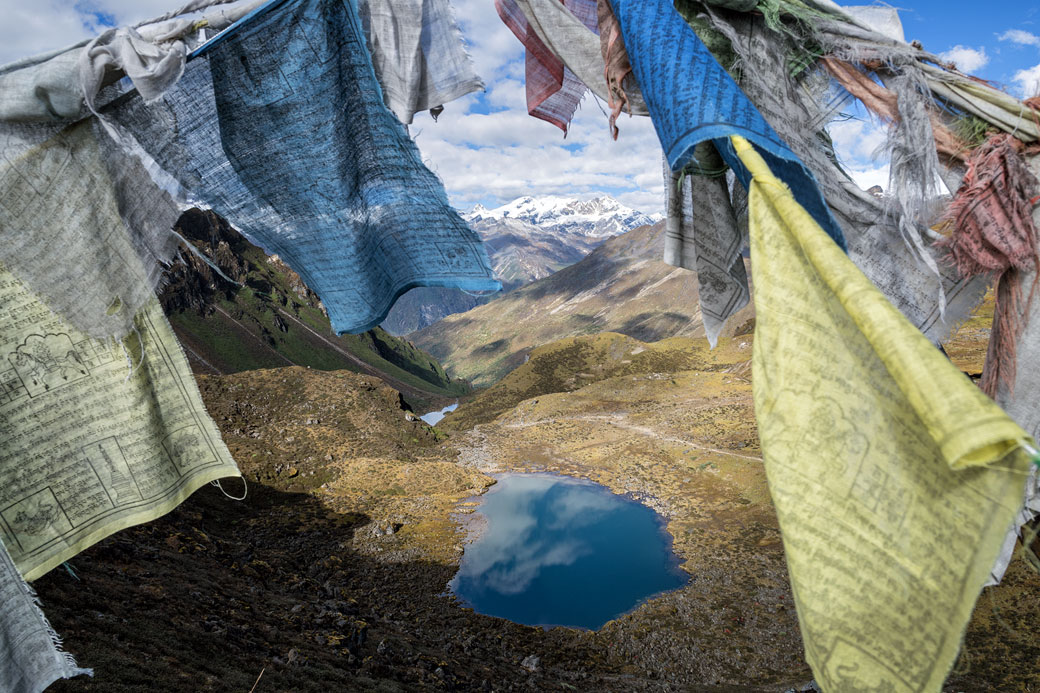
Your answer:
<point x="332" y="574"/>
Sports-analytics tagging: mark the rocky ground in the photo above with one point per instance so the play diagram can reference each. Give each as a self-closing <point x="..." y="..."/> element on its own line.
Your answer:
<point x="332" y="574"/>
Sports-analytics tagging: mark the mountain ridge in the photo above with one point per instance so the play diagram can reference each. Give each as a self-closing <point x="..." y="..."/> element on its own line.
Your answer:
<point x="599" y="217"/>
<point x="526" y="239"/>
<point x="622" y="286"/>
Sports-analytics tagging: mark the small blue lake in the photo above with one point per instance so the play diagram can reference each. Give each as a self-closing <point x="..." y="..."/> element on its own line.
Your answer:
<point x="434" y="417"/>
<point x="558" y="551"/>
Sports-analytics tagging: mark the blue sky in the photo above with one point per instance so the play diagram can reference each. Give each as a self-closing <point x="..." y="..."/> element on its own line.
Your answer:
<point x="941" y="26"/>
<point x="487" y="149"/>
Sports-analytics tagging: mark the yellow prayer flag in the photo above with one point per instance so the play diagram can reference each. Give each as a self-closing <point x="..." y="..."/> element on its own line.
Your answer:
<point x="894" y="478"/>
<point x="95" y="436"/>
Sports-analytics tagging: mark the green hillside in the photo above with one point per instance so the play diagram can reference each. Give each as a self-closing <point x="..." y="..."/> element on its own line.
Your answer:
<point x="272" y="319"/>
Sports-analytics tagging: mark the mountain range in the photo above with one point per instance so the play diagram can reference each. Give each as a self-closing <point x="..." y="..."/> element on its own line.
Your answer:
<point x="599" y="217"/>
<point x="526" y="239"/>
<point x="622" y="286"/>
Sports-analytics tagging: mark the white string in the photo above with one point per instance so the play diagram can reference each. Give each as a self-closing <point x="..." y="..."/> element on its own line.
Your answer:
<point x="245" y="489"/>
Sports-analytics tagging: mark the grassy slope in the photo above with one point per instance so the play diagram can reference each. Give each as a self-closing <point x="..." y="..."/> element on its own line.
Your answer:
<point x="622" y="286"/>
<point x="575" y="362"/>
<point x="272" y="320"/>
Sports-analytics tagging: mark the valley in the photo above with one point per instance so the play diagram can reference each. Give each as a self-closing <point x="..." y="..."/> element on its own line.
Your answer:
<point x="619" y="287"/>
<point x="333" y="573"/>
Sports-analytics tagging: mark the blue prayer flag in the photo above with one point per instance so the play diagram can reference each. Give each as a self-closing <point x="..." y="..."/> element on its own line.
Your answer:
<point x="691" y="98"/>
<point x="279" y="126"/>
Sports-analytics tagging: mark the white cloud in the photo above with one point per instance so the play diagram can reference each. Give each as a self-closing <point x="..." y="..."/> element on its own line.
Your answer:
<point x="30" y="28"/>
<point x="858" y="142"/>
<point x="1023" y="38"/>
<point x="496" y="157"/>
<point x="860" y="146"/>
<point x="866" y="178"/>
<point x="1028" y="81"/>
<point x="966" y="59"/>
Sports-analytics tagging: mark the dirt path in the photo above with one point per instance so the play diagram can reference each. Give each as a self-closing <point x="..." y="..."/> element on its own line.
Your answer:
<point x="619" y="421"/>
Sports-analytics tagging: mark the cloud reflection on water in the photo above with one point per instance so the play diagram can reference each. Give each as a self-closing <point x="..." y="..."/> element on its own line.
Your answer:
<point x="515" y="547"/>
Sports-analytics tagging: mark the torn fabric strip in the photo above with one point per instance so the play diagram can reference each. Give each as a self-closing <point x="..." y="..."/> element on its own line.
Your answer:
<point x="576" y="45"/>
<point x="799" y="111"/>
<point x="30" y="656"/>
<point x="280" y="128"/>
<point x="1019" y="399"/>
<point x="553" y="91"/>
<point x="993" y="233"/>
<point x="617" y="69"/>
<point x="417" y="53"/>
<point x="95" y="436"/>
<point x="894" y="478"/>
<point x="701" y="234"/>
<point x="691" y="98"/>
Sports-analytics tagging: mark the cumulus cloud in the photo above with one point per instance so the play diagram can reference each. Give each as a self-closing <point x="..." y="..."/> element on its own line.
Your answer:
<point x="31" y="28"/>
<point x="860" y="146"/>
<point x="868" y="177"/>
<point x="1023" y="38"/>
<point x="1028" y="81"/>
<point x="37" y="27"/>
<point x="858" y="142"/>
<point x="966" y="58"/>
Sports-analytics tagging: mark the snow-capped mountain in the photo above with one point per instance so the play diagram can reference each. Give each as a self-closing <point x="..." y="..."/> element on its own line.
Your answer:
<point x="599" y="217"/>
<point x="526" y="239"/>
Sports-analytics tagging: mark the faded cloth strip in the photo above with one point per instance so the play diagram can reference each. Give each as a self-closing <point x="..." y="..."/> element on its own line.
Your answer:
<point x="52" y="86"/>
<point x="708" y="241"/>
<point x="799" y="110"/>
<point x="577" y="46"/>
<point x="67" y="198"/>
<point x="280" y="128"/>
<point x="884" y="103"/>
<point x="417" y="53"/>
<point x="1021" y="404"/>
<point x="983" y="101"/>
<point x="617" y="67"/>
<point x="30" y="655"/>
<point x="894" y="478"/>
<point x="553" y="91"/>
<point x="993" y="233"/>
<point x="87" y="446"/>
<point x="1019" y="398"/>
<point x="691" y="98"/>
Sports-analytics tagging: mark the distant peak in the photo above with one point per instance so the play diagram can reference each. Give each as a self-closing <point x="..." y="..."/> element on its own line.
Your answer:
<point x="599" y="216"/>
